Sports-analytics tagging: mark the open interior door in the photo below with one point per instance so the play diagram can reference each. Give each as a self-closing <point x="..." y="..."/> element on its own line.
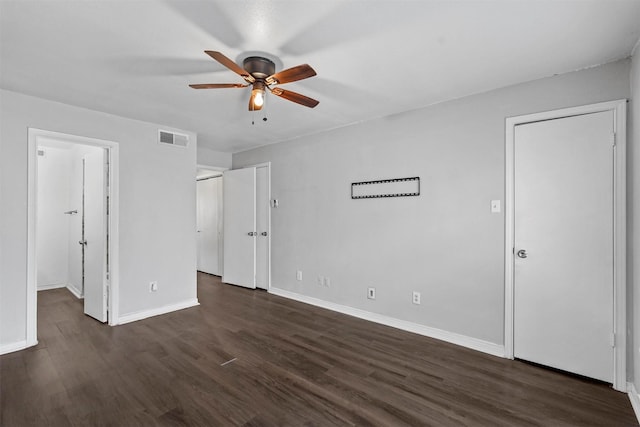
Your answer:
<point x="95" y="226"/>
<point x="240" y="227"/>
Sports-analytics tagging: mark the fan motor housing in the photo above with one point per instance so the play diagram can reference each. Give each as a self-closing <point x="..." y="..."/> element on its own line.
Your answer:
<point x="259" y="67"/>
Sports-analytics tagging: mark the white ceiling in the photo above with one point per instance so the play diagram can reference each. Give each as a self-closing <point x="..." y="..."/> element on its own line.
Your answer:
<point x="373" y="58"/>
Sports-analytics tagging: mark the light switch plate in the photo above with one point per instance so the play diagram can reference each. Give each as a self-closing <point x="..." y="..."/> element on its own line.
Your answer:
<point x="495" y="206"/>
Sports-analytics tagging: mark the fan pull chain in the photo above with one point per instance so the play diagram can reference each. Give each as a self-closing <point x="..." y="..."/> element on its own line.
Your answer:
<point x="253" y="115"/>
<point x="264" y="109"/>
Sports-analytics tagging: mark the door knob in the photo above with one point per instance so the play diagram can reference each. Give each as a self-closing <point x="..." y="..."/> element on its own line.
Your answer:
<point x="82" y="242"/>
<point x="252" y="233"/>
<point x="264" y="233"/>
<point x="522" y="253"/>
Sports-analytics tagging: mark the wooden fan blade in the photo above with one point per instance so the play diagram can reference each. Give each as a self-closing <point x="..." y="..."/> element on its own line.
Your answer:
<point x="295" y="97"/>
<point x="289" y="75"/>
<point x="230" y="65"/>
<point x="217" y="85"/>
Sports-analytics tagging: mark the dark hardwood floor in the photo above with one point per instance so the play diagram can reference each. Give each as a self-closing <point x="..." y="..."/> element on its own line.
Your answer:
<point x="253" y="359"/>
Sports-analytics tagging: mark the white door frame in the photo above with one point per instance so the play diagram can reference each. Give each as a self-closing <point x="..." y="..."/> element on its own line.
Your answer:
<point x="35" y="136"/>
<point x="211" y="168"/>
<point x="619" y="108"/>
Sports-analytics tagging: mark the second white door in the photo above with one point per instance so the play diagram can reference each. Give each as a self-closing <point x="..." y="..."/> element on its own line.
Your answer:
<point x="262" y="227"/>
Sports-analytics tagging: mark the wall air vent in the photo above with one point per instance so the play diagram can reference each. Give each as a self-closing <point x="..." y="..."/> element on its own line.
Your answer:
<point x="172" y="138"/>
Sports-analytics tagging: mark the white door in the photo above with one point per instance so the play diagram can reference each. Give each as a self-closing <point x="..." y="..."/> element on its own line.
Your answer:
<point x="563" y="272"/>
<point x="262" y="224"/>
<point x="208" y="213"/>
<point x="95" y="226"/>
<point x="240" y="227"/>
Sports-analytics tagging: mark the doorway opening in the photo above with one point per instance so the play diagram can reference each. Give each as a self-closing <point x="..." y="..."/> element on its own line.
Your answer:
<point x="72" y="222"/>
<point x="209" y="220"/>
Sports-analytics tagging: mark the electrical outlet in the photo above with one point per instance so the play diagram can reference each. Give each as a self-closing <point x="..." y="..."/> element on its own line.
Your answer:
<point x="327" y="282"/>
<point x="416" y="297"/>
<point x="371" y="293"/>
<point x="495" y="206"/>
<point x="153" y="286"/>
<point x="299" y="275"/>
<point x="320" y="281"/>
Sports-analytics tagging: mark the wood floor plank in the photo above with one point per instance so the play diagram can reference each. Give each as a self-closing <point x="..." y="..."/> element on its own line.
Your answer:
<point x="249" y="358"/>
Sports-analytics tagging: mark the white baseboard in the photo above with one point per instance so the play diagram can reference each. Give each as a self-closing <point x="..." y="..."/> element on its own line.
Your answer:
<point x="52" y="286"/>
<point x="634" y="398"/>
<point x="75" y="291"/>
<point x="14" y="346"/>
<point x="139" y="315"/>
<point x="451" y="337"/>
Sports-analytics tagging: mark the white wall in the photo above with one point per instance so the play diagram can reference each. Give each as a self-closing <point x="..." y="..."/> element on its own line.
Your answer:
<point x="444" y="243"/>
<point x="157" y="209"/>
<point x="54" y="174"/>
<point x="209" y="157"/>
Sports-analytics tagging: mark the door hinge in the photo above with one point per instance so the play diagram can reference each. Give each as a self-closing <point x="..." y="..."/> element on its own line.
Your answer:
<point x="615" y="139"/>
<point x="613" y="339"/>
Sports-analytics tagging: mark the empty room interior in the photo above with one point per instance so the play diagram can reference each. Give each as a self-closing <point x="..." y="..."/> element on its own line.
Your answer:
<point x="323" y="212"/>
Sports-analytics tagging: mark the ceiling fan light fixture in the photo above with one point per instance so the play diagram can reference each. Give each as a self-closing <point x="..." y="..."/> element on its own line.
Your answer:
<point x="259" y="73"/>
<point x="257" y="96"/>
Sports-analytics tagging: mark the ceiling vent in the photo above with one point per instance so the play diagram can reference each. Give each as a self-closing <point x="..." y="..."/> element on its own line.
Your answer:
<point x="172" y="138"/>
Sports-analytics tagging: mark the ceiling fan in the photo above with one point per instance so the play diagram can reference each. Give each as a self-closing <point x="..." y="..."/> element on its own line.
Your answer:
<point x="259" y="73"/>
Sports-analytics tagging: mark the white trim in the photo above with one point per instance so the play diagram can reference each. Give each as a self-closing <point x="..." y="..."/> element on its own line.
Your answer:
<point x="75" y="291"/>
<point x="439" y="334"/>
<point x="114" y="234"/>
<point x="620" y="246"/>
<point x="634" y="398"/>
<point x="32" y="290"/>
<point x="211" y="168"/>
<point x="14" y="346"/>
<point x="619" y="108"/>
<point x="144" y="314"/>
<point x="52" y="286"/>
<point x="35" y="138"/>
